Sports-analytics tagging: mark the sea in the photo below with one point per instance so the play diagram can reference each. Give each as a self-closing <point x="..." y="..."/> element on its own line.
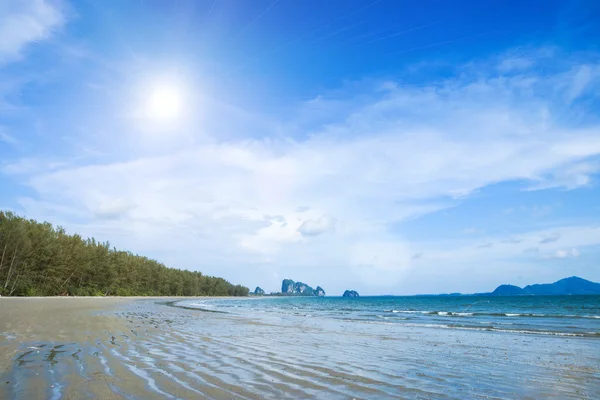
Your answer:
<point x="429" y="347"/>
<point x="540" y="315"/>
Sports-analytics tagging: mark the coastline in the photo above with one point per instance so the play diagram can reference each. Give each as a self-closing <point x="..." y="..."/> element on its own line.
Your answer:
<point x="142" y="348"/>
<point x="62" y="347"/>
<point x="35" y="331"/>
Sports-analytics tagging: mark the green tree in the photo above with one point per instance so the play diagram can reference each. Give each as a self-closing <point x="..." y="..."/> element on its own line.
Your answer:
<point x="38" y="259"/>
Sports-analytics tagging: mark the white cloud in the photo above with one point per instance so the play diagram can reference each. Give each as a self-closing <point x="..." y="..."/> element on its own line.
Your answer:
<point x="575" y="252"/>
<point x="113" y="208"/>
<point x="25" y="22"/>
<point x="6" y="138"/>
<point x="550" y="238"/>
<point x="31" y="166"/>
<point x="387" y="154"/>
<point x="312" y="227"/>
<point x="451" y="261"/>
<point x="378" y="262"/>
<point x="564" y="253"/>
<point x="581" y="82"/>
<point x="526" y="244"/>
<point x="569" y="177"/>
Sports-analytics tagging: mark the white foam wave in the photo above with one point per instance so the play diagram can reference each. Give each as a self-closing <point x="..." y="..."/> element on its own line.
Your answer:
<point x="530" y="332"/>
<point x="201" y="304"/>
<point x="410" y="311"/>
<point x="470" y="314"/>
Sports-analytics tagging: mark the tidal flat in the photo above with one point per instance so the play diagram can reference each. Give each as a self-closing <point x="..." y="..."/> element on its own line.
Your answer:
<point x="124" y="348"/>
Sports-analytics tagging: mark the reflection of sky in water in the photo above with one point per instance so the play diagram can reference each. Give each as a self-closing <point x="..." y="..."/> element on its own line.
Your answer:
<point x="171" y="352"/>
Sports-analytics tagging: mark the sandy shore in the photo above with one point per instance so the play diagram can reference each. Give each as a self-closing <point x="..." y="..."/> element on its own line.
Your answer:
<point x="35" y="330"/>
<point x="109" y="348"/>
<point x="59" y="347"/>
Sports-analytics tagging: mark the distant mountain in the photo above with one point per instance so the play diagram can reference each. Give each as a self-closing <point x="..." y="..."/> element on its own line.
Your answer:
<point x="508" y="290"/>
<point x="572" y="285"/>
<point x="566" y="286"/>
<point x="291" y="288"/>
<point x="350" y="293"/>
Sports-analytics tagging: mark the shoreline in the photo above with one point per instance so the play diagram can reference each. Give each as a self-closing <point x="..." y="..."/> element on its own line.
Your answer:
<point x="142" y="348"/>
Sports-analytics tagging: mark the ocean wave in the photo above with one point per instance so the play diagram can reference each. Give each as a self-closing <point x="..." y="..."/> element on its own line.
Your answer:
<point x="201" y="304"/>
<point x="491" y="314"/>
<point x="530" y="315"/>
<point x="408" y="311"/>
<point x="194" y="306"/>
<point x="490" y="328"/>
<point x="453" y="314"/>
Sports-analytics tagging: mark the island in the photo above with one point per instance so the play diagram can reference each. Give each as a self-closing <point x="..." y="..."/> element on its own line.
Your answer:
<point x="508" y="290"/>
<point x="567" y="286"/>
<point x="350" y="293"/>
<point x="291" y="288"/>
<point x="573" y="285"/>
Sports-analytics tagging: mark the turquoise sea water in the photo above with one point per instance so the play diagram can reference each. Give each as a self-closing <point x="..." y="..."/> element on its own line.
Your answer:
<point x="550" y="315"/>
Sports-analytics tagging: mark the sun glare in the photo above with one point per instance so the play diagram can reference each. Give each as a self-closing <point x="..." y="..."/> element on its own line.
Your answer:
<point x="164" y="103"/>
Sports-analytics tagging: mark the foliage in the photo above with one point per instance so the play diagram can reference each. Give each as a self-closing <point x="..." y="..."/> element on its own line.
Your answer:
<point x="37" y="259"/>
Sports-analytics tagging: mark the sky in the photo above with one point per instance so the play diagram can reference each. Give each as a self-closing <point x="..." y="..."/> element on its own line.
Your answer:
<point x="385" y="146"/>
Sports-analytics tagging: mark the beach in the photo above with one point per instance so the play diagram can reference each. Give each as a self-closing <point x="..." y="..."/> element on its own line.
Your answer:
<point x="114" y="348"/>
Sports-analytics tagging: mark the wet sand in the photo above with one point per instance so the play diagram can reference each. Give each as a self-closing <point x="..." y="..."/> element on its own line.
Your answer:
<point x="40" y="333"/>
<point x="77" y="348"/>
<point x="59" y="347"/>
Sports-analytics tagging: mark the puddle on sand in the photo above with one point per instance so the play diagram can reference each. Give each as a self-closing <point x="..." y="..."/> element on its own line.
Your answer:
<point x="75" y="355"/>
<point x="53" y="353"/>
<point x="47" y="354"/>
<point x="21" y="359"/>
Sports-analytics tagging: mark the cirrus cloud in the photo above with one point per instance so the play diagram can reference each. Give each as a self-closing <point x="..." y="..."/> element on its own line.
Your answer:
<point x="25" y="22"/>
<point x="385" y="154"/>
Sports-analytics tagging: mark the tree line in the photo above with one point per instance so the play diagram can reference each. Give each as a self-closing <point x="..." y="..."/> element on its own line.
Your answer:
<point x="37" y="259"/>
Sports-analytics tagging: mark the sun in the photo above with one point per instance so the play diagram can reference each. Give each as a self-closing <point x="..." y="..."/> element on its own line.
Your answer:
<point x="164" y="103"/>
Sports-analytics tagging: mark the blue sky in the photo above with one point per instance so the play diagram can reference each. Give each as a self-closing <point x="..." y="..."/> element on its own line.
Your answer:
<point x="383" y="146"/>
